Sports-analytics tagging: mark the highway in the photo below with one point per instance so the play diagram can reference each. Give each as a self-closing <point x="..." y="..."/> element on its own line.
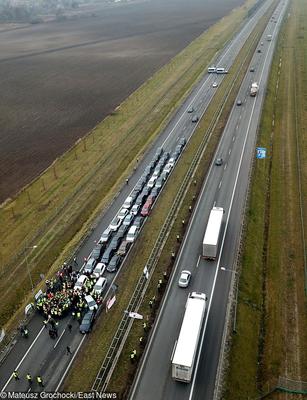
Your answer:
<point x="40" y="355"/>
<point x="226" y="187"/>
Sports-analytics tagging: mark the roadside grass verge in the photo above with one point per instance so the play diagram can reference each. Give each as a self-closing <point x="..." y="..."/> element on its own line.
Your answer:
<point x="89" y="359"/>
<point x="271" y="340"/>
<point x="56" y="210"/>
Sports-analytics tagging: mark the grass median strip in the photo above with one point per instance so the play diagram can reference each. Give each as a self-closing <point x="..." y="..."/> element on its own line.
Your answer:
<point x="56" y="210"/>
<point x="94" y="351"/>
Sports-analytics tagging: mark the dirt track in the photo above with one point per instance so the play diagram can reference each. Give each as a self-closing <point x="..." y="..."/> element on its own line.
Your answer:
<point x="60" y="79"/>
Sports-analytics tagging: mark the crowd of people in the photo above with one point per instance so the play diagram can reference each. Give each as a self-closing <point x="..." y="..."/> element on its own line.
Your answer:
<point x="60" y="298"/>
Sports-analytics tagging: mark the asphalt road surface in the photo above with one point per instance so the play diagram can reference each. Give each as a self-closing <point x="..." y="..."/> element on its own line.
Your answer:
<point x="225" y="187"/>
<point x="39" y="355"/>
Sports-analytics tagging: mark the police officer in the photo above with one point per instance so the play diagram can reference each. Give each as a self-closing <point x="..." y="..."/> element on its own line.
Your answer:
<point x="29" y="379"/>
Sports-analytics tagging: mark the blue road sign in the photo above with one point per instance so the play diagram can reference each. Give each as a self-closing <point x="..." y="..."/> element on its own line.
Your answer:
<point x="260" y="152"/>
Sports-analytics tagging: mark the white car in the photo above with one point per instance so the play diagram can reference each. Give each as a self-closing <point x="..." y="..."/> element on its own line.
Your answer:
<point x="123" y="212"/>
<point x="168" y="168"/>
<point x="100" y="285"/>
<point x="151" y="182"/>
<point x="184" y="279"/>
<point x="115" y="224"/>
<point x="135" y="209"/>
<point x="171" y="161"/>
<point x="215" y="84"/>
<point x="91" y="303"/>
<point x="132" y="233"/>
<point x="98" y="270"/>
<point x="128" y="202"/>
<point x="105" y="236"/>
<point x="80" y="282"/>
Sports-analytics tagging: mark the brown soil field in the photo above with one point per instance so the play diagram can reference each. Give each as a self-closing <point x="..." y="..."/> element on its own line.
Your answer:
<point x="59" y="79"/>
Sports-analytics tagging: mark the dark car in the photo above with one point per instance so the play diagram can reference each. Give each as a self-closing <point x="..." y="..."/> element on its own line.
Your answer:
<point x="87" y="322"/>
<point x="195" y="118"/>
<point x="159" y="182"/>
<point x="140" y="199"/>
<point x="107" y="255"/>
<point x="96" y="253"/>
<point x="182" y="141"/>
<point x="123" y="248"/>
<point x="155" y="191"/>
<point x="114" y="263"/>
<point x="122" y="230"/>
<point x="139" y="186"/>
<point x="115" y="242"/>
<point x="146" y="191"/>
<point x="138" y="221"/>
<point x="152" y="164"/>
<point x="148" y="169"/>
<point x="259" y="51"/>
<point x="219" y="161"/>
<point x="190" y="110"/>
<point x="90" y="265"/>
<point x="252" y="69"/>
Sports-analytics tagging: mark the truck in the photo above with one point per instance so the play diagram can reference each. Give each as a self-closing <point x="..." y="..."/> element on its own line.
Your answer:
<point x="185" y="349"/>
<point x="212" y="234"/>
<point x="254" y="89"/>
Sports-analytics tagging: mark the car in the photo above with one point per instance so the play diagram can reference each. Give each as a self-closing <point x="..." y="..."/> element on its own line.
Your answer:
<point x="122" y="214"/>
<point x="136" y="208"/>
<point x="151" y="198"/>
<point x="171" y="161"/>
<point x="106" y="234"/>
<point x="167" y="168"/>
<point x="147" y="207"/>
<point x="182" y="141"/>
<point x="219" y="161"/>
<point x="161" y="164"/>
<point x="259" y="51"/>
<point x="159" y="182"/>
<point x="128" y="202"/>
<point x="139" y="220"/>
<point x="139" y="186"/>
<point x="138" y="202"/>
<point x="132" y="233"/>
<point x="165" y="156"/>
<point x="190" y="110"/>
<point x="215" y="84"/>
<point x="100" y="285"/>
<point x="155" y="191"/>
<point x="128" y="219"/>
<point x="115" y="242"/>
<point x="107" y="255"/>
<point x="91" y="303"/>
<point x="148" y="170"/>
<point x="195" y="119"/>
<point x="122" y="230"/>
<point x="157" y="171"/>
<point x="96" y="252"/>
<point x="87" y="322"/>
<point x="159" y="152"/>
<point x="151" y="182"/>
<point x="115" y="223"/>
<point x="152" y="164"/>
<point x="239" y="102"/>
<point x="261" y="43"/>
<point x="123" y="248"/>
<point x="146" y="173"/>
<point x="252" y="69"/>
<point x="184" y="279"/>
<point x="80" y="282"/>
<point x="90" y="265"/>
<point x="146" y="191"/>
<point x="98" y="270"/>
<point x="114" y="263"/>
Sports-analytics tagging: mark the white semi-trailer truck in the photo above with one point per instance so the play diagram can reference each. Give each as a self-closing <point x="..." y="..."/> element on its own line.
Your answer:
<point x="212" y="234"/>
<point x="185" y="350"/>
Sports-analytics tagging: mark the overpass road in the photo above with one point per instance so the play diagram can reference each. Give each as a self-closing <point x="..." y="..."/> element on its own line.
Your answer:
<point x="41" y="355"/>
<point x="225" y="186"/>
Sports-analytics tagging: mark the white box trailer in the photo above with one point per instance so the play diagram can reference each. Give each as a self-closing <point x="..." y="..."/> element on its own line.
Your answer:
<point x="212" y="234"/>
<point x="186" y="346"/>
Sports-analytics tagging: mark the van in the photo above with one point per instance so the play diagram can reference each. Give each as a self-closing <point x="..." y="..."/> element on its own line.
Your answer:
<point x="211" y="70"/>
<point x="91" y="303"/>
<point x="132" y="234"/>
<point x="128" y="202"/>
<point x="100" y="285"/>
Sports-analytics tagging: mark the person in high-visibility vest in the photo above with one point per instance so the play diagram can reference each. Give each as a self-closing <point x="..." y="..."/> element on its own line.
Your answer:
<point x="15" y="375"/>
<point x="40" y="381"/>
<point x="29" y="379"/>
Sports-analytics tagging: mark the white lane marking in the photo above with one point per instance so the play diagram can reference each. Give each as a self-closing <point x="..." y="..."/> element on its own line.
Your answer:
<point x="223" y="240"/>
<point x="56" y="343"/>
<point x="240" y="116"/>
<point x="214" y="204"/>
<point x="233" y="138"/>
<point x="237" y="127"/>
<point x="220" y="184"/>
<point x="225" y="166"/>
<point x="21" y="361"/>
<point x="229" y="152"/>
<point x="198" y="261"/>
<point x="69" y="365"/>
